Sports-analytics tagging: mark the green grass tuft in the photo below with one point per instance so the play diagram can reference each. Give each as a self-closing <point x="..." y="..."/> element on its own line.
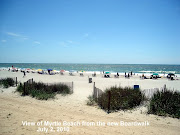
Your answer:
<point x="121" y="98"/>
<point x="165" y="103"/>
<point x="43" y="91"/>
<point x="7" y="82"/>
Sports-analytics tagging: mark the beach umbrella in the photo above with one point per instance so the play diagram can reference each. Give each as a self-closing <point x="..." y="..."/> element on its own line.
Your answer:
<point x="71" y="71"/>
<point x="49" y="69"/>
<point x="107" y="72"/>
<point x="82" y="71"/>
<point x="62" y="71"/>
<point x="39" y="69"/>
<point x="171" y="74"/>
<point x="155" y="74"/>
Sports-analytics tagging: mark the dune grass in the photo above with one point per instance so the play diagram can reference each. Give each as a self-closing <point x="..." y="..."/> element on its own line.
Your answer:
<point x="43" y="91"/>
<point x="7" y="82"/>
<point x="120" y="99"/>
<point x="165" y="103"/>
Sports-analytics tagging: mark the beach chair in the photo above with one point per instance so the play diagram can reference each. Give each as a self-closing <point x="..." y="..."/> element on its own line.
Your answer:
<point x="116" y="76"/>
<point x="71" y="74"/>
<point x="61" y="73"/>
<point x="93" y="75"/>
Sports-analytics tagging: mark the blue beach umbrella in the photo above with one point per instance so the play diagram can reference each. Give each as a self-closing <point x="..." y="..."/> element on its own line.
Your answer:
<point x="171" y="74"/>
<point x="49" y="69"/>
<point x="71" y="71"/>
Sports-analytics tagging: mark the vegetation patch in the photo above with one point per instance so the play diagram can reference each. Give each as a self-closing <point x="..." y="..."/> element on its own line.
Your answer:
<point x="120" y="98"/>
<point x="43" y="91"/>
<point x="91" y="101"/>
<point x="165" y="103"/>
<point x="7" y="82"/>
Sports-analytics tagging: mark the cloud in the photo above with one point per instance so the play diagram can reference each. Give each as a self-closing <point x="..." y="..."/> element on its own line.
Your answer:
<point x="13" y="34"/>
<point x="3" y="41"/>
<point x="37" y="42"/>
<point x="17" y="35"/>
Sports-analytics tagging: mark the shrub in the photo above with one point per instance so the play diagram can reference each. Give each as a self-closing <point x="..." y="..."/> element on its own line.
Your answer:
<point x="165" y="103"/>
<point x="7" y="82"/>
<point x="121" y="98"/>
<point x="91" y="101"/>
<point x="43" y="91"/>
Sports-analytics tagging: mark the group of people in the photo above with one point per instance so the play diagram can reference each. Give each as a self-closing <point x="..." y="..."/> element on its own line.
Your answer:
<point x="117" y="75"/>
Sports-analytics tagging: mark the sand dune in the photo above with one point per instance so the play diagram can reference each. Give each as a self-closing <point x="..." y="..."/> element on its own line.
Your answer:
<point x="72" y="108"/>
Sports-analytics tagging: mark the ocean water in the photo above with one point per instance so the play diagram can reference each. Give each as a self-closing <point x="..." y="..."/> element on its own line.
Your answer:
<point x="121" y="68"/>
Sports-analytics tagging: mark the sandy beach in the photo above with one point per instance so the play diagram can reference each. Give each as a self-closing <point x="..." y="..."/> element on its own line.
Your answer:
<point x="16" y="109"/>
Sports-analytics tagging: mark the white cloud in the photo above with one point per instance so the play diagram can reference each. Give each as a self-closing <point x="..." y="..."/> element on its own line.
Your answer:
<point x="37" y="42"/>
<point x="3" y="41"/>
<point x="13" y="34"/>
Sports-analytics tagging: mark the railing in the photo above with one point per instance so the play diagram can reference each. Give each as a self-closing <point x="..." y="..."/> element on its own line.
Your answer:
<point x="97" y="92"/>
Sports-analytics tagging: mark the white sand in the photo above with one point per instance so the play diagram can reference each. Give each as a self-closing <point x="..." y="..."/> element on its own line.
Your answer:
<point x="15" y="108"/>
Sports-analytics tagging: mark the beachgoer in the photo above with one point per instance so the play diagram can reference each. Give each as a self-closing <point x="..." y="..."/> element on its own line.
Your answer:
<point x="117" y="74"/>
<point x="24" y="73"/>
<point x="131" y="73"/>
<point x="125" y="74"/>
<point x="94" y="73"/>
<point x="128" y="74"/>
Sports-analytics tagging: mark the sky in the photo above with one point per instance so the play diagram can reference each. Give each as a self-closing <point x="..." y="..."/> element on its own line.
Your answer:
<point x="90" y="31"/>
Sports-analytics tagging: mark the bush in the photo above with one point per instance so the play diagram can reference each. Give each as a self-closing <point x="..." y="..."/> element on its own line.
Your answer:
<point x="7" y="82"/>
<point x="91" y="101"/>
<point x="121" y="98"/>
<point x="43" y="91"/>
<point x="165" y="103"/>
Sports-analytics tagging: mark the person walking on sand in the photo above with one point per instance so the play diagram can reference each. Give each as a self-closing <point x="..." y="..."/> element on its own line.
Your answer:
<point x="117" y="74"/>
<point x="24" y="73"/>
